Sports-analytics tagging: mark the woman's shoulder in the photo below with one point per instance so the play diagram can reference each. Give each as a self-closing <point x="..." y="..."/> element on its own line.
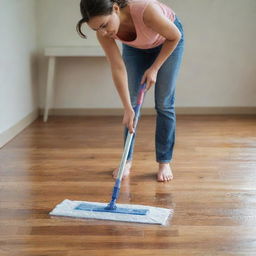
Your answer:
<point x="151" y="10"/>
<point x="139" y="5"/>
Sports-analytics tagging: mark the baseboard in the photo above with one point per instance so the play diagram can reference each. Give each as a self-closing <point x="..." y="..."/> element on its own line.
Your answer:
<point x="9" y="134"/>
<point x="216" y="110"/>
<point x="151" y="111"/>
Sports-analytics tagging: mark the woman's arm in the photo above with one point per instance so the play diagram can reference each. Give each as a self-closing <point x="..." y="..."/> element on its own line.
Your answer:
<point x="118" y="68"/>
<point x="119" y="75"/>
<point x="154" y="19"/>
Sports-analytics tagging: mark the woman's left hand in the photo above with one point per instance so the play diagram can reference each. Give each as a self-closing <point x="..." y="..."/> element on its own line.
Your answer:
<point x="149" y="77"/>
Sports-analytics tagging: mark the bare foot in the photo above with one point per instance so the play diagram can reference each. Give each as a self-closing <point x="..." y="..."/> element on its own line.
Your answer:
<point x="165" y="172"/>
<point x="126" y="170"/>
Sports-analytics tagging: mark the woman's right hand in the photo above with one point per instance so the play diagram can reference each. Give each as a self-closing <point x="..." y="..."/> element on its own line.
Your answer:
<point x="128" y="119"/>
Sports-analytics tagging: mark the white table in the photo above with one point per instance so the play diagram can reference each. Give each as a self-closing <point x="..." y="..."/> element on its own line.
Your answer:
<point x="52" y="53"/>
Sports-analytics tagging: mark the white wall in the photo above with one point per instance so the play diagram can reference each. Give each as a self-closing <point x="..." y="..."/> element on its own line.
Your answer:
<point x="18" y="65"/>
<point x="219" y="61"/>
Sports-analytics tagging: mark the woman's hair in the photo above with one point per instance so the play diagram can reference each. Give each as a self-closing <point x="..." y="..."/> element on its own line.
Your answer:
<point x="92" y="8"/>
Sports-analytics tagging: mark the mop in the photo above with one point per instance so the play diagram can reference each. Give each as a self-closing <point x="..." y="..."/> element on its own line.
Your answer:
<point x="112" y="210"/>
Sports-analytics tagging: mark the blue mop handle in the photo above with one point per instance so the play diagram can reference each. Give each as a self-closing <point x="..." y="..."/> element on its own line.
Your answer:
<point x="129" y="137"/>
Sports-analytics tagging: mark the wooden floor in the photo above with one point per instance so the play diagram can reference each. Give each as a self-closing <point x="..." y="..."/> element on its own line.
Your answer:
<point x="213" y="193"/>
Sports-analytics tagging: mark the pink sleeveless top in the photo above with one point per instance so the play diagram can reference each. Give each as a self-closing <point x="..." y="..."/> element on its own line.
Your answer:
<point x="146" y="37"/>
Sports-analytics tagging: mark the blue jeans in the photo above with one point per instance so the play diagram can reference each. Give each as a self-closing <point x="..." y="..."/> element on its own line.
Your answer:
<point x="136" y="62"/>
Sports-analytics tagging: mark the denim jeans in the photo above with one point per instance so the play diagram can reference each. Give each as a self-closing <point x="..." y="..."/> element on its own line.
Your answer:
<point x="136" y="62"/>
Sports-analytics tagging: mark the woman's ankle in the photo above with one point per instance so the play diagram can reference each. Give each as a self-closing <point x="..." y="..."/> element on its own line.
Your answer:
<point x="164" y="163"/>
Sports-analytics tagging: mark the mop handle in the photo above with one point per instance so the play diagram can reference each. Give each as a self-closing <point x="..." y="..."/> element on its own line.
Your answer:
<point x="128" y="140"/>
<point x="130" y="135"/>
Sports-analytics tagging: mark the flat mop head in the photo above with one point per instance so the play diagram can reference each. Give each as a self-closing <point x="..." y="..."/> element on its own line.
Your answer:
<point x="123" y="212"/>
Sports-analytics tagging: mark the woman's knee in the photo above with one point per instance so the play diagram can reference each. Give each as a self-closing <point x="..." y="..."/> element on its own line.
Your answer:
<point x="166" y="110"/>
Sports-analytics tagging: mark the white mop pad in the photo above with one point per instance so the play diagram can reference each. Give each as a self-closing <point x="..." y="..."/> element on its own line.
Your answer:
<point x="155" y="215"/>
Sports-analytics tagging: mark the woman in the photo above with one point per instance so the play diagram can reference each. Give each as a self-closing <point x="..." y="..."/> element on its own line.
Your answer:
<point x="153" y="44"/>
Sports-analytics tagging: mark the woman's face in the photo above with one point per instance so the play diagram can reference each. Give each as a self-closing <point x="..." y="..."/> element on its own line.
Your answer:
<point x="107" y="25"/>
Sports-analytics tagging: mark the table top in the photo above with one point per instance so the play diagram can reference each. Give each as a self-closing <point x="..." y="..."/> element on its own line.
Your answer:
<point x="75" y="51"/>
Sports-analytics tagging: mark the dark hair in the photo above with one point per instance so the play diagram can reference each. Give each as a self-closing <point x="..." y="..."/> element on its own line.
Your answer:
<point x="92" y="8"/>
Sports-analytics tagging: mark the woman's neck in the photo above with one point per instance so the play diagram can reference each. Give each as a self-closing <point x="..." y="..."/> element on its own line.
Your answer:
<point x="125" y="17"/>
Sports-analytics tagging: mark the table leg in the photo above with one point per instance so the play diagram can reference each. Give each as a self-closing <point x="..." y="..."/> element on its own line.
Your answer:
<point x="49" y="86"/>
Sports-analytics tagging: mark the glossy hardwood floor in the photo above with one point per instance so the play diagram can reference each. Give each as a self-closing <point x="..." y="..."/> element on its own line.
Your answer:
<point x="213" y="193"/>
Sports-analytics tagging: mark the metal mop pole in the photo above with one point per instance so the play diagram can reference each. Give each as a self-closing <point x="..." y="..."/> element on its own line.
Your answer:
<point x="116" y="189"/>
